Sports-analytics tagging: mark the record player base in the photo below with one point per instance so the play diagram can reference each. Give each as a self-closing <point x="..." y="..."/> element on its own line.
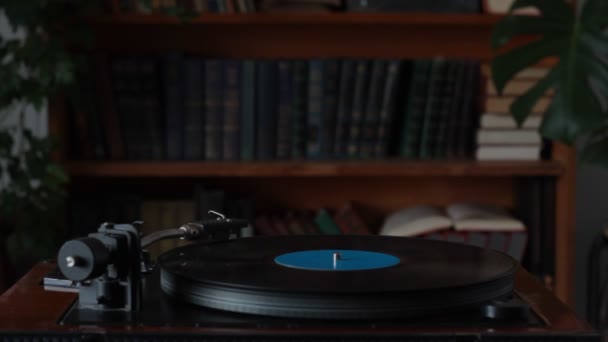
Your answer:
<point x="29" y="313"/>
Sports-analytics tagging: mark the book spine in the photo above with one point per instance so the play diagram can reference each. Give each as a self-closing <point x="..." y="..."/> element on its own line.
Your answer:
<point x="371" y="117"/>
<point x="447" y="97"/>
<point x="416" y="101"/>
<point x="214" y="72"/>
<point x="151" y="109"/>
<point x="350" y="222"/>
<point x="80" y="143"/>
<point x="248" y="118"/>
<point x="95" y="121"/>
<point x="120" y="74"/>
<point x="359" y="97"/>
<point x="344" y="110"/>
<point x="284" y="109"/>
<point x="315" y="109"/>
<point x="470" y="112"/>
<point x="173" y="106"/>
<point x="435" y="6"/>
<point x="294" y="225"/>
<point x="387" y="109"/>
<point x="325" y="223"/>
<point x="331" y="80"/>
<point x="232" y="104"/>
<point x="280" y="225"/>
<point x="263" y="226"/>
<point x="113" y="135"/>
<point x="451" y="140"/>
<point x="431" y="109"/>
<point x="194" y="109"/>
<point x="91" y="116"/>
<point x="266" y="110"/>
<point x="299" y="109"/>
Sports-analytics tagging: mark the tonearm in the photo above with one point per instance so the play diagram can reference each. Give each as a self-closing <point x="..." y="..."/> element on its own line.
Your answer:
<point x="108" y="265"/>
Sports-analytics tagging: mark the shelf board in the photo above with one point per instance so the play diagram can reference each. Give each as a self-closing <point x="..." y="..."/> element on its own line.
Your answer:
<point x="163" y="169"/>
<point x="308" y="18"/>
<point x="303" y="35"/>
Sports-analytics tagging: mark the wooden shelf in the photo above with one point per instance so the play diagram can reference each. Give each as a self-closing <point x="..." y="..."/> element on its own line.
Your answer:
<point x="314" y="169"/>
<point x="308" y="18"/>
<point x="303" y="35"/>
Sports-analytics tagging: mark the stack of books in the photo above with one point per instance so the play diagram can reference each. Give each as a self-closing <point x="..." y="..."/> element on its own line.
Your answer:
<point x="499" y="136"/>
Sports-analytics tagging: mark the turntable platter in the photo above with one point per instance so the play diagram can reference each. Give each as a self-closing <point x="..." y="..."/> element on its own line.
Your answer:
<point x="338" y="277"/>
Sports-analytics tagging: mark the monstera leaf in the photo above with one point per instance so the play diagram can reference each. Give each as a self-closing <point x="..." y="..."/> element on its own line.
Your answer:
<point x="579" y="79"/>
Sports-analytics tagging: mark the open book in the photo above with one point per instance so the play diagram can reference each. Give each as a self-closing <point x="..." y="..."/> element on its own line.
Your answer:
<point x="422" y="220"/>
<point x="473" y="224"/>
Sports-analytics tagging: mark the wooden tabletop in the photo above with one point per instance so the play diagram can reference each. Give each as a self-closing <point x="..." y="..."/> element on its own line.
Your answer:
<point x="28" y="307"/>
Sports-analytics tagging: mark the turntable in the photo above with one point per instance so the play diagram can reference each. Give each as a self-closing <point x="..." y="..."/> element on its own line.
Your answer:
<point x="285" y="288"/>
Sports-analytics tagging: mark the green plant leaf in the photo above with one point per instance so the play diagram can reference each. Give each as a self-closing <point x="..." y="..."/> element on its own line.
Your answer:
<point x="512" y="26"/>
<point x="557" y="10"/>
<point x="522" y="106"/>
<point x="594" y="14"/>
<point x="507" y="65"/>
<point x="572" y="114"/>
<point x="580" y="78"/>
<point x="595" y="149"/>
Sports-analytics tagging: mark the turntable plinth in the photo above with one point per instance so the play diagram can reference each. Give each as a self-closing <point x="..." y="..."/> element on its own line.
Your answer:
<point x="28" y="311"/>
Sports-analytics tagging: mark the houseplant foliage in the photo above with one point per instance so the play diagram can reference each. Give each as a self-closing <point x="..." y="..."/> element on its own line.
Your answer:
<point x="34" y="65"/>
<point x="577" y="111"/>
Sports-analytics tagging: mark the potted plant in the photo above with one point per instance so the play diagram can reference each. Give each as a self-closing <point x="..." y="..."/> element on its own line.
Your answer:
<point x="577" y="112"/>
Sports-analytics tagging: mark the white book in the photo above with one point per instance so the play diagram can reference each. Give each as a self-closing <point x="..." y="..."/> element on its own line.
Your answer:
<point x="502" y="104"/>
<point x="530" y="73"/>
<point x="415" y="221"/>
<point x="533" y="73"/>
<point x="477" y="217"/>
<point x="424" y="220"/>
<point x="489" y="152"/>
<point x="516" y="87"/>
<point x="503" y="7"/>
<point x="502" y="120"/>
<point x="508" y="136"/>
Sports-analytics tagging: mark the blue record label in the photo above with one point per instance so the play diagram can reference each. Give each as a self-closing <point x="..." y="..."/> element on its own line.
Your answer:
<point x="336" y="260"/>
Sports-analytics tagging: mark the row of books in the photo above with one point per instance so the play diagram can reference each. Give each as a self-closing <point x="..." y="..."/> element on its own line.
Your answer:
<point x="344" y="220"/>
<point x="179" y="6"/>
<point x="499" y="137"/>
<point x="250" y="6"/>
<point x="179" y="107"/>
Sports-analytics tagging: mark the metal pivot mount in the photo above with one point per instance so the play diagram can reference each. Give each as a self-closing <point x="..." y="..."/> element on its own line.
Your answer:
<point x="106" y="266"/>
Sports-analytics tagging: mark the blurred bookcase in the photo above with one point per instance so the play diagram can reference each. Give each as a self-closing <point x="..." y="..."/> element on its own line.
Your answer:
<point x="383" y="185"/>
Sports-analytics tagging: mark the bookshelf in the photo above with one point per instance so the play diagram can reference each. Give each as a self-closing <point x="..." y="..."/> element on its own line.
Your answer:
<point x="382" y="185"/>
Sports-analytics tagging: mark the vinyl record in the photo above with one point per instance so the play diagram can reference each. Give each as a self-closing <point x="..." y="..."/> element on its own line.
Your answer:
<point x="337" y="277"/>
